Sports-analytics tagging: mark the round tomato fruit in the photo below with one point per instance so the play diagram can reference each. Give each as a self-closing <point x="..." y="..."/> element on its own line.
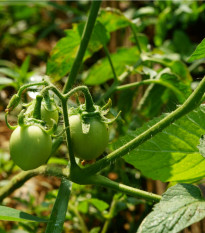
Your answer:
<point x="30" y="147"/>
<point x="89" y="145"/>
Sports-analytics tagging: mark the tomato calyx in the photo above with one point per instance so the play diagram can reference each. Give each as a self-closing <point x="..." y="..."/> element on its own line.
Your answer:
<point x="99" y="112"/>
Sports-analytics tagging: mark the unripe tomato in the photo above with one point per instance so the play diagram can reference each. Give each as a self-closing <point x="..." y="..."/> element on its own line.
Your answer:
<point x="30" y="147"/>
<point x="91" y="145"/>
<point x="48" y="114"/>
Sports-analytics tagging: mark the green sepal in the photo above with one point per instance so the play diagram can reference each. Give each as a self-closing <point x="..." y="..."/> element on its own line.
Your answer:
<point x="13" y="102"/>
<point x="110" y="121"/>
<point x="106" y="108"/>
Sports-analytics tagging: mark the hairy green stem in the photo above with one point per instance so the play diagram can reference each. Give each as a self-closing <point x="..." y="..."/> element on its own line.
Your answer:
<point x="191" y="103"/>
<point x="88" y="98"/>
<point x="57" y="218"/>
<point x="83" y="45"/>
<point x="73" y="74"/>
<point x="18" y="180"/>
<point x="37" y="107"/>
<point x="105" y="182"/>
<point x="66" y="124"/>
<point x="62" y="172"/>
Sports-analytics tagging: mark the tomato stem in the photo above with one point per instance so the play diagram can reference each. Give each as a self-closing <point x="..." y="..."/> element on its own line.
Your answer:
<point x="83" y="45"/>
<point x="191" y="103"/>
<point x="37" y="107"/>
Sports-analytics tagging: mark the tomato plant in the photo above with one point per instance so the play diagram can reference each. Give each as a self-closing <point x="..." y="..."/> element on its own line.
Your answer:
<point x="30" y="146"/>
<point x="143" y="77"/>
<point x="92" y="144"/>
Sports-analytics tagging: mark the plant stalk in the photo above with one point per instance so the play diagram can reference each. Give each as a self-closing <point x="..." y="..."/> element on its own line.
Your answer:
<point x="192" y="102"/>
<point x="83" y="45"/>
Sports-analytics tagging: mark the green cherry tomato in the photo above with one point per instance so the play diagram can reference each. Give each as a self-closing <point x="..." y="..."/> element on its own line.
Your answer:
<point x="48" y="114"/>
<point x="30" y="147"/>
<point x="89" y="145"/>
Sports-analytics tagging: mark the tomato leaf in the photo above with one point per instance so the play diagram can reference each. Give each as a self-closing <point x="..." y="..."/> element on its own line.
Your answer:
<point x="113" y="19"/>
<point x="65" y="51"/>
<point x="101" y="71"/>
<point x="181" y="206"/>
<point x="10" y="214"/>
<point x="171" y="155"/>
<point x="199" y="53"/>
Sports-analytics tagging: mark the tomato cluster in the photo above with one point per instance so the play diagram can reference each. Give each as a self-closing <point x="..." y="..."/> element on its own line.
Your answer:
<point x="31" y="141"/>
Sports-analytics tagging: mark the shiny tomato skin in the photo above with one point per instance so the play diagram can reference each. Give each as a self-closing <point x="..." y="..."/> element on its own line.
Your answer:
<point x="30" y="147"/>
<point x="91" y="145"/>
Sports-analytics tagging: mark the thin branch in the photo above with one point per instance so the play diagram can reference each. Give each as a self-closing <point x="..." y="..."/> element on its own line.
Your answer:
<point x="83" y="45"/>
<point x="18" y="180"/>
<point x="111" y="63"/>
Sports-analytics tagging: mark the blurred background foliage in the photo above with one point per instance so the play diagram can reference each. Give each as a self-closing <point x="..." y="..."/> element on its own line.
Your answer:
<point x="38" y="38"/>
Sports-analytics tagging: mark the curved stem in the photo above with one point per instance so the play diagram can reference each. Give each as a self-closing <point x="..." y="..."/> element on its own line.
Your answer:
<point x="54" y="90"/>
<point x="18" y="180"/>
<point x="88" y="98"/>
<point x="83" y="45"/>
<point x="64" y="173"/>
<point x="192" y="102"/>
<point x="12" y="127"/>
<point x="43" y="83"/>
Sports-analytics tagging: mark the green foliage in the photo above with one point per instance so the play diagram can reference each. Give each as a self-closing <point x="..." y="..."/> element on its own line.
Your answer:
<point x="64" y="53"/>
<point x="199" y="53"/>
<point x="171" y="155"/>
<point x="11" y="214"/>
<point x="145" y="75"/>
<point x="101" y="71"/>
<point x="181" y="206"/>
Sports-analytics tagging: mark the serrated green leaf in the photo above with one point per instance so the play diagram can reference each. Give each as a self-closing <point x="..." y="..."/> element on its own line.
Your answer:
<point x="101" y="71"/>
<point x="181" y="206"/>
<point x="63" y="54"/>
<point x="171" y="155"/>
<point x="10" y="214"/>
<point x="199" y="53"/>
